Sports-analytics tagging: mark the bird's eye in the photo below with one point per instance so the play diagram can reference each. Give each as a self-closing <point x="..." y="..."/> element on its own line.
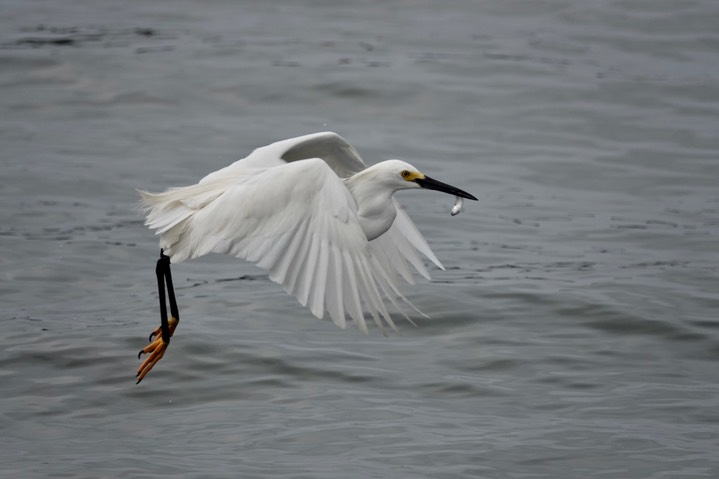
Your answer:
<point x="405" y="174"/>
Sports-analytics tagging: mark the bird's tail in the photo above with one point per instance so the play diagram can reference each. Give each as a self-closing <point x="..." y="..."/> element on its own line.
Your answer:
<point x="170" y="213"/>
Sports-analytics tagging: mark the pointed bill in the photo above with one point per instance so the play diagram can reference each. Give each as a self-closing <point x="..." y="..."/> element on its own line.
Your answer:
<point x="432" y="184"/>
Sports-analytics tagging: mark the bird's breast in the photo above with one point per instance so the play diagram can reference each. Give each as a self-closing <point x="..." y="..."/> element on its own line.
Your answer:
<point x="376" y="222"/>
<point x="375" y="209"/>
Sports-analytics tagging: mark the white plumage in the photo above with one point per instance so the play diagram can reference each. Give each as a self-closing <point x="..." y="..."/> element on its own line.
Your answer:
<point x="311" y="213"/>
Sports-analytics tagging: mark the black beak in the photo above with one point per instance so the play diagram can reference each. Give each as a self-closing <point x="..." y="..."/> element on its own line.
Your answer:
<point x="432" y="184"/>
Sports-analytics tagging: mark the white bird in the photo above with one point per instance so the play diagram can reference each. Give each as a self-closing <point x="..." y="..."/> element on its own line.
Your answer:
<point x="310" y="212"/>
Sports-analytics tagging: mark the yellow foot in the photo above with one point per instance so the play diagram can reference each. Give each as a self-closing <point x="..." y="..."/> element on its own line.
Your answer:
<point x="156" y="349"/>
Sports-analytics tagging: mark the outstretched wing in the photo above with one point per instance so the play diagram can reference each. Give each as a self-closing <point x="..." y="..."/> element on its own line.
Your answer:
<point x="298" y="221"/>
<point x="400" y="245"/>
<point x="331" y="148"/>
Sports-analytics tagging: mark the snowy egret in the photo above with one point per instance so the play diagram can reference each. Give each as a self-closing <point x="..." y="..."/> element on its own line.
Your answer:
<point x="309" y="211"/>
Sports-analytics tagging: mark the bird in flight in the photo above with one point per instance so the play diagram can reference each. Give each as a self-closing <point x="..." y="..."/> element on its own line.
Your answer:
<point x="309" y="211"/>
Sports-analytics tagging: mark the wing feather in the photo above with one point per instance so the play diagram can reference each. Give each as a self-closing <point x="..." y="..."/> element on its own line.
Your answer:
<point x="401" y="244"/>
<point x="317" y="300"/>
<point x="335" y="302"/>
<point x="352" y="292"/>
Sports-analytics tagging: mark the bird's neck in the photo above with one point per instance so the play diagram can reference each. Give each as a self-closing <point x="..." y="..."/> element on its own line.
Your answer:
<point x="375" y="209"/>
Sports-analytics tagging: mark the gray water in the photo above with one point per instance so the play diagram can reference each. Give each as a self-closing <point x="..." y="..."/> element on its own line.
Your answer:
<point x="574" y="333"/>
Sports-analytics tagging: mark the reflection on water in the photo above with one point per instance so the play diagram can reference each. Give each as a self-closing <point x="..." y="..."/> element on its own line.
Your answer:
<point x="573" y="334"/>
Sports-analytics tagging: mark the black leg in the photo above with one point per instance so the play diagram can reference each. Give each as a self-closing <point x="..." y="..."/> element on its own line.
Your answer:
<point x="162" y="265"/>
<point x="160" y="338"/>
<point x="164" y="279"/>
<point x="170" y="290"/>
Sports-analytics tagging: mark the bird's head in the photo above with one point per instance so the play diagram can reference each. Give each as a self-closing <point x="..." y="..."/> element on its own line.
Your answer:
<point x="402" y="176"/>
